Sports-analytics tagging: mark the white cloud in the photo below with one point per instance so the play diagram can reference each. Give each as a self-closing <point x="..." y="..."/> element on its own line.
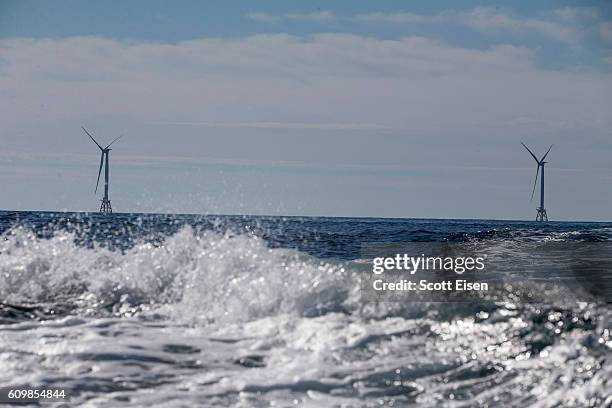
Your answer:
<point x="94" y="60"/>
<point x="396" y="18"/>
<point x="280" y="125"/>
<point x="488" y="19"/>
<point x="262" y="17"/>
<point x="577" y="14"/>
<point x="327" y="81"/>
<point x="319" y="16"/>
<point x="559" y="26"/>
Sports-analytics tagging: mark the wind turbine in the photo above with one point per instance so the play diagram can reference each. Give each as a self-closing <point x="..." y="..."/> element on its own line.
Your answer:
<point x="541" y="215"/>
<point x="106" y="204"/>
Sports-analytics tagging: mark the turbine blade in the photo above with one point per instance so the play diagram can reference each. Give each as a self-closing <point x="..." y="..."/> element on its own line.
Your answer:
<point x="531" y="153"/>
<point x="99" y="172"/>
<point x="546" y="153"/>
<point x="91" y="137"/>
<point x="535" y="182"/>
<point x="113" y="141"/>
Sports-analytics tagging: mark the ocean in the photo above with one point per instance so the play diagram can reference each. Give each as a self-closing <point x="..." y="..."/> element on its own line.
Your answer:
<point x="186" y="310"/>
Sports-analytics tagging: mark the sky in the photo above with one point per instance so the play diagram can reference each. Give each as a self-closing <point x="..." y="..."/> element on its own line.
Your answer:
<point x="325" y="108"/>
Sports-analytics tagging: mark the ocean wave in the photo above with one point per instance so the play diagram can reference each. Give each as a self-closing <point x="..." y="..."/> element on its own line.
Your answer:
<point x="205" y="277"/>
<point x="211" y="318"/>
<point x="519" y="234"/>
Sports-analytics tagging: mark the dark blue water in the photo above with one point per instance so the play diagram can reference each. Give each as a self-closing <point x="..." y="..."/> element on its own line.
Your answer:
<point x="187" y="310"/>
<point x="324" y="237"/>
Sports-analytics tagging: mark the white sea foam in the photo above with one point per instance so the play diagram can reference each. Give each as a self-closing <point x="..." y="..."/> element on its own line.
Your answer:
<point x="220" y="319"/>
<point x="200" y="278"/>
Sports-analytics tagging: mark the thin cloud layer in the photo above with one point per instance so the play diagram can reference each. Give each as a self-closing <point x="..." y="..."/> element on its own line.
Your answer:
<point x="492" y="20"/>
<point x="280" y="80"/>
<point x="320" y="16"/>
<point x="280" y="125"/>
<point x="273" y="55"/>
<point x="566" y="25"/>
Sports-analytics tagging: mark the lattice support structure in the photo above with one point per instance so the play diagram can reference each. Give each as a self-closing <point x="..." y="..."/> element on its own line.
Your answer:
<point x="541" y="216"/>
<point x="106" y="206"/>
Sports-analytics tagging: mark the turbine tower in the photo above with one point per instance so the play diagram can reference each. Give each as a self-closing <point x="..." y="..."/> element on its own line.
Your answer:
<point x="106" y="204"/>
<point x="541" y="215"/>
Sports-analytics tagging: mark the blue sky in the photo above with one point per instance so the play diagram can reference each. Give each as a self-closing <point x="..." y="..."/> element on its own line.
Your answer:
<point x="355" y="108"/>
<point x="174" y="21"/>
